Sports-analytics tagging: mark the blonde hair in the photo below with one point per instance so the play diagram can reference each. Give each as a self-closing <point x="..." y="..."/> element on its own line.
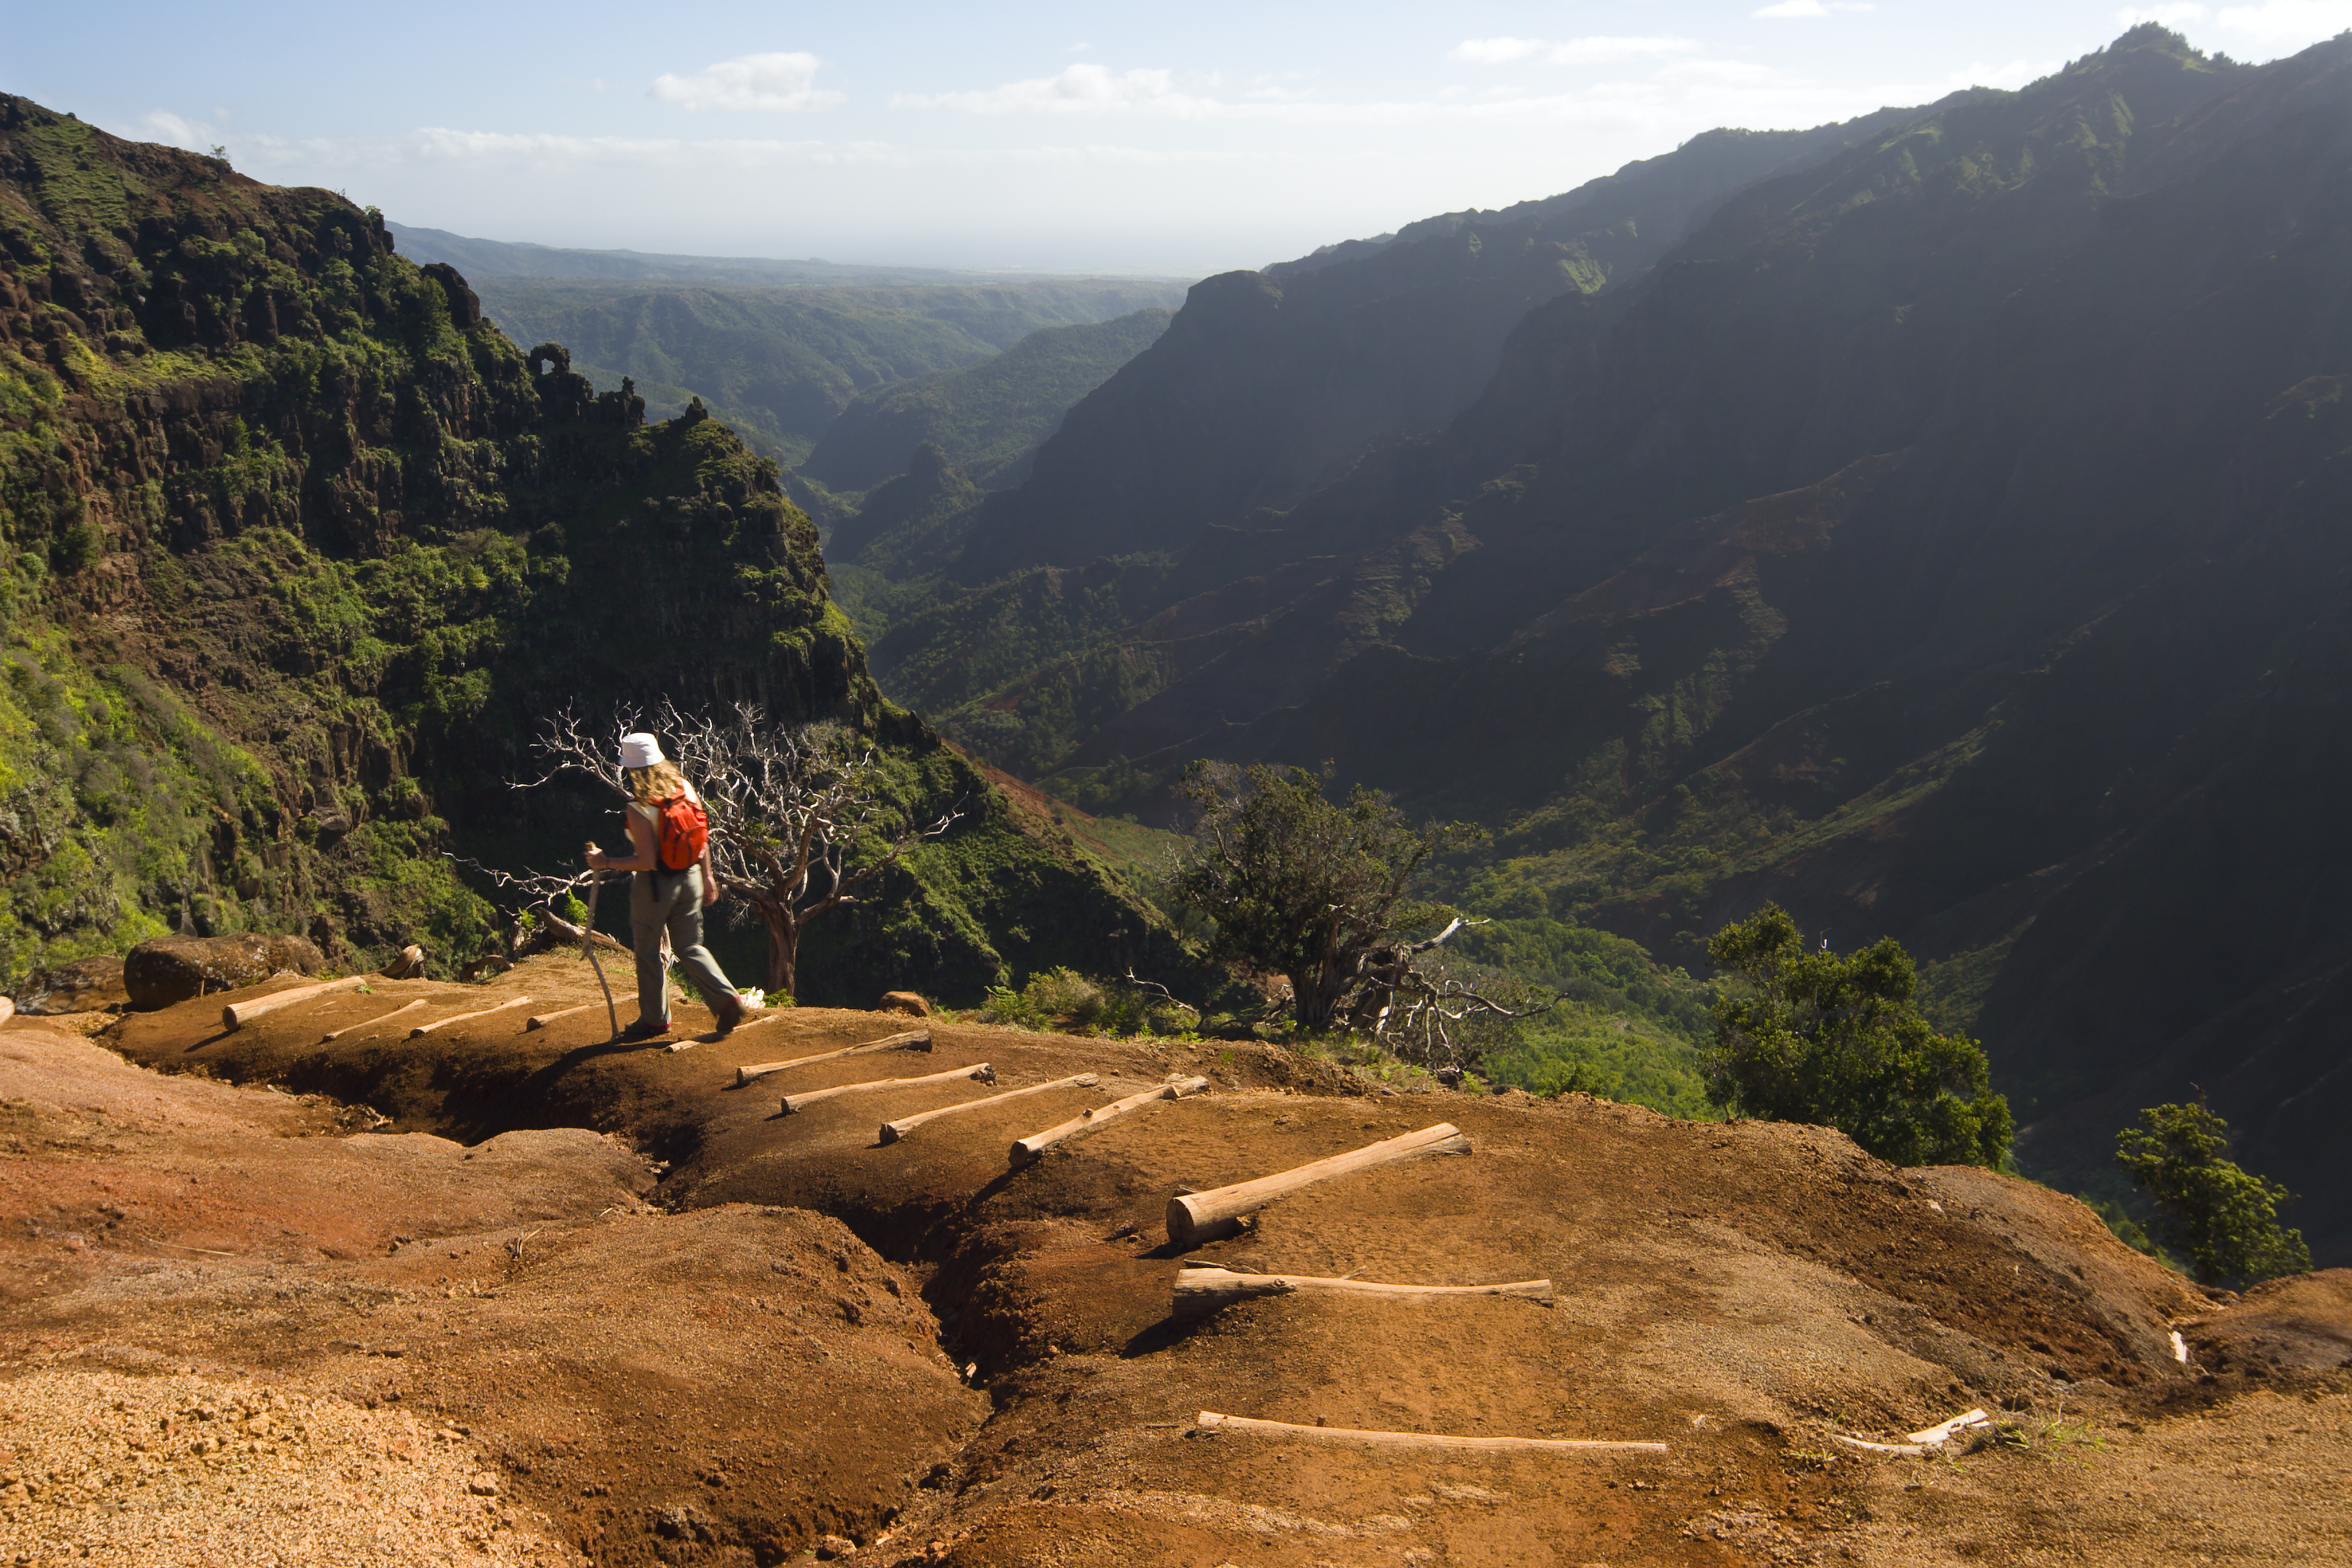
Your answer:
<point x="654" y="785"/>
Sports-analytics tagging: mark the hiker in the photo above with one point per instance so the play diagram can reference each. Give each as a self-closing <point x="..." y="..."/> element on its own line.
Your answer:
<point x="669" y="843"/>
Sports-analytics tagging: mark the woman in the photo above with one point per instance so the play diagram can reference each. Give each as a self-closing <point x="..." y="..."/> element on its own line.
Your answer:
<point x="661" y="897"/>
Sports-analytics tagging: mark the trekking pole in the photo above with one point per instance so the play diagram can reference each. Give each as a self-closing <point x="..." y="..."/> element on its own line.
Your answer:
<point x="588" y="946"/>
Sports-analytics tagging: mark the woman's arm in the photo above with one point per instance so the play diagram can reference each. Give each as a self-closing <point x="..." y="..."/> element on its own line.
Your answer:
<point x="709" y="878"/>
<point x="641" y="841"/>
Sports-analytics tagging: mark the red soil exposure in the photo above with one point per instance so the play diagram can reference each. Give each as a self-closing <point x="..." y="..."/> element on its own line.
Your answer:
<point x="754" y="1358"/>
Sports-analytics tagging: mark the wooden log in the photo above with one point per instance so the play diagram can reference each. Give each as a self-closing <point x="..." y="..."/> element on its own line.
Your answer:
<point x="913" y="1040"/>
<point x="9" y="1011"/>
<point x="981" y="1073"/>
<point x="1943" y="1431"/>
<point x="1201" y="1292"/>
<point x="894" y="1131"/>
<point x="1195" y="1218"/>
<point x="1210" y="1421"/>
<point x="541" y="1020"/>
<point x="422" y="1029"/>
<point x="380" y="1017"/>
<point x="1030" y="1148"/>
<point x="237" y="1014"/>
<point x="1913" y="1450"/>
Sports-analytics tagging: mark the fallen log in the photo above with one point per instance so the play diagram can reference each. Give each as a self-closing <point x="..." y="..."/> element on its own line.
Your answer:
<point x="380" y="1017"/>
<point x="237" y="1014"/>
<point x="1942" y="1431"/>
<point x="1195" y="1218"/>
<point x="1201" y="1292"/>
<point x="423" y="1029"/>
<point x="1210" y="1421"/>
<point x="541" y="1020"/>
<point x="913" y="1039"/>
<point x="1030" y="1148"/>
<point x="894" y="1131"/>
<point x="981" y="1073"/>
<point x="9" y="1011"/>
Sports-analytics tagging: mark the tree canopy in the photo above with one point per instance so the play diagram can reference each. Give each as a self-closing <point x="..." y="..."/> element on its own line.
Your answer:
<point x="1838" y="1040"/>
<point x="2223" y="1218"/>
<point x="1300" y="887"/>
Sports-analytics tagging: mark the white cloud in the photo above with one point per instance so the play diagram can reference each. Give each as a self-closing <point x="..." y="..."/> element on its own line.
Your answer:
<point x="1787" y="10"/>
<point x="775" y="83"/>
<point x="1082" y="89"/>
<point x="2289" y="24"/>
<point x="174" y="130"/>
<point x="2169" y="16"/>
<point x="1574" y="52"/>
<point x="1494" y="51"/>
<point x="1600" y="51"/>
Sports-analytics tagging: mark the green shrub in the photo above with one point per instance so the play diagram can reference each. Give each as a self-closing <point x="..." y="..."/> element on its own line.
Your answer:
<point x="1071" y="1003"/>
<point x="2223" y="1219"/>
<point x="1837" y="1040"/>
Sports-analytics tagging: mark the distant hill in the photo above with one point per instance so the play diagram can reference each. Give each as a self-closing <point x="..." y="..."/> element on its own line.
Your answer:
<point x="779" y="362"/>
<point x="481" y="259"/>
<point x="1945" y="540"/>
<point x="986" y="418"/>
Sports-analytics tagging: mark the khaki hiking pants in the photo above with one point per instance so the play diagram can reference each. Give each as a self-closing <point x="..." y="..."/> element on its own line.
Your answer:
<point x="672" y="901"/>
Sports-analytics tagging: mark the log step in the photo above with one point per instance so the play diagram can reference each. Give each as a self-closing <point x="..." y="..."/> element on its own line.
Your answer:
<point x="1024" y="1150"/>
<point x="981" y="1073"/>
<point x="913" y="1040"/>
<point x="1196" y="1217"/>
<point x="422" y="1030"/>
<point x="1203" y="1290"/>
<point x="1210" y="1421"/>
<point x="894" y="1131"/>
<point x="237" y="1014"/>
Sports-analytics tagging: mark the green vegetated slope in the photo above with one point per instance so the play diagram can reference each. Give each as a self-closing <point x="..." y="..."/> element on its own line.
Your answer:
<point x="1944" y="541"/>
<point x="296" y="550"/>
<point x="781" y="363"/>
<point x="985" y="417"/>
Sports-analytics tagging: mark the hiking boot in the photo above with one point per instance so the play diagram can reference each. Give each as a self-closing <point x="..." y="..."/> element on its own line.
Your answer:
<point x="641" y="1030"/>
<point x="737" y="1017"/>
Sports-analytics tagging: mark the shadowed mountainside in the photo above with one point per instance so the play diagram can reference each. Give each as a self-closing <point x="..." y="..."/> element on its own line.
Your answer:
<point x="985" y="417"/>
<point x="1941" y="540"/>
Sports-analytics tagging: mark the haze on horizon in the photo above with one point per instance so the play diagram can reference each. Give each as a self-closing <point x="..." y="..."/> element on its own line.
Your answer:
<point x="1057" y="138"/>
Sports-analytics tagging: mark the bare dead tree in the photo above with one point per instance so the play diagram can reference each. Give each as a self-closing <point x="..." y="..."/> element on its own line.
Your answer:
<point x="798" y="822"/>
<point x="1430" y="1012"/>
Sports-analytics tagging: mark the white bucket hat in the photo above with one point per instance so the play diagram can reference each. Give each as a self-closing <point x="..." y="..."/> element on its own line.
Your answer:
<point x="640" y="751"/>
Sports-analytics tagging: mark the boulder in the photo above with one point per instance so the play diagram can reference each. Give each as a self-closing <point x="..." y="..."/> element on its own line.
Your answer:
<point x="905" y="1002"/>
<point x="168" y="969"/>
<point x="85" y="985"/>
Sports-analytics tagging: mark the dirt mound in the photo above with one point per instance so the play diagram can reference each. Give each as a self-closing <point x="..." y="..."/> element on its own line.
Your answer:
<point x="1751" y="1294"/>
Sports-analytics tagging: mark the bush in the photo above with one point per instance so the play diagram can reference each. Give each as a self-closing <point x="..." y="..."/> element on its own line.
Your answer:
<point x="2223" y="1219"/>
<point x="1838" y="1041"/>
<point x="1066" y="1000"/>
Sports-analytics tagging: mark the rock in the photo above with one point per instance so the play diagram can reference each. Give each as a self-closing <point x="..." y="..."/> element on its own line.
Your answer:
<point x="1450" y="1076"/>
<point x="85" y="985"/>
<point x="829" y="1547"/>
<point x="168" y="969"/>
<point x="483" y="1486"/>
<point x="408" y="965"/>
<point x="903" y="1002"/>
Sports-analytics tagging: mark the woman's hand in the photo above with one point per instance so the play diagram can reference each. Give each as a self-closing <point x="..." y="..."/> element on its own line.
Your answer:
<point x="594" y="857"/>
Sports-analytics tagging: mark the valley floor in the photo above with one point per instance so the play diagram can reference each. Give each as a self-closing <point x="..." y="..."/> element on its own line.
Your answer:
<point x="551" y="1301"/>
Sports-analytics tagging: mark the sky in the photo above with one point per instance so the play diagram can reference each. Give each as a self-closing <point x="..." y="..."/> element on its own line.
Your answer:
<point x="1179" y="140"/>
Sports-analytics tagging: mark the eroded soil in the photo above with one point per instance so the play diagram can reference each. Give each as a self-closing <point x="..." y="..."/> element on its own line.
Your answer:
<point x="525" y="1294"/>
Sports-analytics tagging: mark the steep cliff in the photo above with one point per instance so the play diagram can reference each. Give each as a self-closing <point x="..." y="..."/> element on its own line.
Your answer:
<point x="300" y="550"/>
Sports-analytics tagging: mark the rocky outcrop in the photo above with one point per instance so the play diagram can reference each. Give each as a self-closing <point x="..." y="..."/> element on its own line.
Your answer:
<point x="168" y="969"/>
<point x="85" y="985"/>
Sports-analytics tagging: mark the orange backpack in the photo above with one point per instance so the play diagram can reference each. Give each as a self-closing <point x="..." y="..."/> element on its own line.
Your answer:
<point x="681" y="828"/>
